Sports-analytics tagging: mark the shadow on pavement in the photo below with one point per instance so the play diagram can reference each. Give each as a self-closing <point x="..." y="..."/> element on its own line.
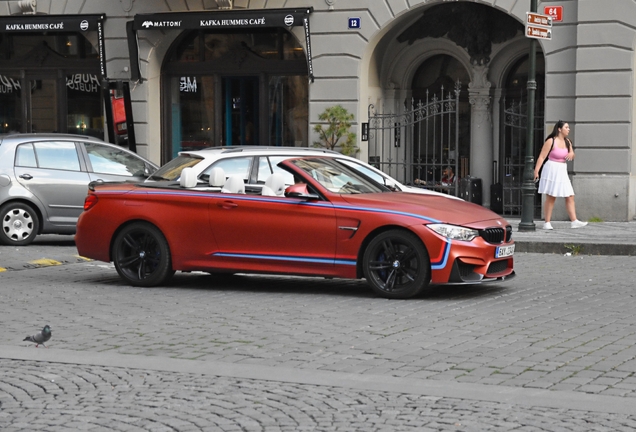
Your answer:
<point x="274" y="284"/>
<point x="53" y="240"/>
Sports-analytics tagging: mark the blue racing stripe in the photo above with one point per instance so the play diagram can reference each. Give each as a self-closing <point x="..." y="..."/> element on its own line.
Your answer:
<point x="285" y="258"/>
<point x="442" y="264"/>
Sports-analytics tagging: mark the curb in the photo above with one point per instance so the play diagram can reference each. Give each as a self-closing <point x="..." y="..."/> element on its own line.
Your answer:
<point x="581" y="248"/>
<point x="44" y="262"/>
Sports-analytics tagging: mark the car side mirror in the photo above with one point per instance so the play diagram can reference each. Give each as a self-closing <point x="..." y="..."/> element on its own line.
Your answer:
<point x="301" y="195"/>
<point x="300" y="190"/>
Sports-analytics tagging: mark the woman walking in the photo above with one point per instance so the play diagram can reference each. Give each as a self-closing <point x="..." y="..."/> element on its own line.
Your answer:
<point x="554" y="181"/>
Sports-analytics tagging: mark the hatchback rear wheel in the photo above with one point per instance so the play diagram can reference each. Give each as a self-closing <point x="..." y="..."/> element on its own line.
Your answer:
<point x="20" y="224"/>
<point x="396" y="265"/>
<point x="142" y="256"/>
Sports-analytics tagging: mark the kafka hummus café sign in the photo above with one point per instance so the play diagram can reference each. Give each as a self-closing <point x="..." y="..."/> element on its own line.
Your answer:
<point x="34" y="26"/>
<point x="212" y="23"/>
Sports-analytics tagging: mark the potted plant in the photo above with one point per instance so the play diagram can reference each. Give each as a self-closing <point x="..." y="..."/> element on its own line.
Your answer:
<point x="338" y="124"/>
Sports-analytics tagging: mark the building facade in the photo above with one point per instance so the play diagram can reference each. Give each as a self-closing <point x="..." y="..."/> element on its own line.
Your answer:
<point x="431" y="83"/>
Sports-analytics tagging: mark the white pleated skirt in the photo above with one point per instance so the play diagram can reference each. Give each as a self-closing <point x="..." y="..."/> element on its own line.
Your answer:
<point x="554" y="180"/>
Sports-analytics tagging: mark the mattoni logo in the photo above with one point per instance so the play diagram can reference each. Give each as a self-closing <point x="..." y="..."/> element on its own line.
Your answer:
<point x="148" y="24"/>
<point x="289" y="20"/>
<point x="84" y="25"/>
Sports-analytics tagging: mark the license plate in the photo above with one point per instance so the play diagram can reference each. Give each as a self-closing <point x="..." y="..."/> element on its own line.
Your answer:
<point x="504" y="251"/>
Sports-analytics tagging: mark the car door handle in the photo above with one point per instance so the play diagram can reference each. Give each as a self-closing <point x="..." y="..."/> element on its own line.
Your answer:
<point x="227" y="205"/>
<point x="26" y="176"/>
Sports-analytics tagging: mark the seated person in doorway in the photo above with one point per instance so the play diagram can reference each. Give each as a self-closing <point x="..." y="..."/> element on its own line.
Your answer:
<point x="448" y="176"/>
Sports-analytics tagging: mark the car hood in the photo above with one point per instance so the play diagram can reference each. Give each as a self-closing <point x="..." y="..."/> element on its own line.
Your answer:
<point x="437" y="208"/>
<point x="423" y="191"/>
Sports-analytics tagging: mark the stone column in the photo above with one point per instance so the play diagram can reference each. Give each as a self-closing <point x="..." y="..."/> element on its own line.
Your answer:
<point x="481" y="153"/>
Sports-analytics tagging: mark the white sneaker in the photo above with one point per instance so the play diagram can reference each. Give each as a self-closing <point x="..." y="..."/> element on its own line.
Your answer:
<point x="577" y="224"/>
<point x="547" y="226"/>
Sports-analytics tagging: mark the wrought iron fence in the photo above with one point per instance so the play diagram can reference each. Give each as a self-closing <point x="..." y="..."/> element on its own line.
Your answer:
<point x="512" y="153"/>
<point x="416" y="146"/>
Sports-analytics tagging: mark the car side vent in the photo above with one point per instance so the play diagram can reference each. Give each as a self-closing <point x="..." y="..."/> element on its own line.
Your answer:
<point x="493" y="235"/>
<point x="497" y="267"/>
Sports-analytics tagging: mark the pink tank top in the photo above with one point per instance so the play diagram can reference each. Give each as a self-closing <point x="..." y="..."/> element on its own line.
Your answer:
<point x="558" y="154"/>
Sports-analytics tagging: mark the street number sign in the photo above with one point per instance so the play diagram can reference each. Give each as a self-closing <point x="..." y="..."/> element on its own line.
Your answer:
<point x="355" y="23"/>
<point x="556" y="12"/>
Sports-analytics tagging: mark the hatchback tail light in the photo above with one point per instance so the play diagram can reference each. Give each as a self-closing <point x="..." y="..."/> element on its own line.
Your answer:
<point x="90" y="202"/>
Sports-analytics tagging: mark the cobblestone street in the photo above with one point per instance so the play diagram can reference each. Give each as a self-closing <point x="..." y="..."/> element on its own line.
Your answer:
<point x="553" y="349"/>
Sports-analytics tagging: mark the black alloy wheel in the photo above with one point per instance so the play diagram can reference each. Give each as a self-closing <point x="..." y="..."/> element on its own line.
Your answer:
<point x="142" y="256"/>
<point x="396" y="265"/>
<point x="19" y="224"/>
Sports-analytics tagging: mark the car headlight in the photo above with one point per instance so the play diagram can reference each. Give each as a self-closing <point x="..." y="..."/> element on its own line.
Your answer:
<point x="454" y="232"/>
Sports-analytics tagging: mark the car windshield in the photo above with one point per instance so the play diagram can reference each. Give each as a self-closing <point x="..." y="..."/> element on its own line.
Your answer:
<point x="172" y="170"/>
<point x="338" y="177"/>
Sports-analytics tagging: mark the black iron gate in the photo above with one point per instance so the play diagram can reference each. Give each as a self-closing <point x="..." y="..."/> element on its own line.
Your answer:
<point x="512" y="153"/>
<point x="416" y="146"/>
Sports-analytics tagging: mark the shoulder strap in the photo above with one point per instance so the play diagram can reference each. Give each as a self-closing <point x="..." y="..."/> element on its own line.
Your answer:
<point x="551" y="147"/>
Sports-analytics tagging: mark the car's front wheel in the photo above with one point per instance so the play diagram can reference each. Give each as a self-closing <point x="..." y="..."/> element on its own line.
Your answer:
<point x="142" y="256"/>
<point x="20" y="224"/>
<point x="396" y="265"/>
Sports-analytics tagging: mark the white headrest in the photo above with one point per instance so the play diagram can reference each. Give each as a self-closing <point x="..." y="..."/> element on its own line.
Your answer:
<point x="217" y="177"/>
<point x="274" y="185"/>
<point x="188" y="178"/>
<point x="234" y="184"/>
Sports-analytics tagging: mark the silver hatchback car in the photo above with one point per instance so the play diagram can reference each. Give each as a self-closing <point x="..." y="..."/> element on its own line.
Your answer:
<point x="44" y="180"/>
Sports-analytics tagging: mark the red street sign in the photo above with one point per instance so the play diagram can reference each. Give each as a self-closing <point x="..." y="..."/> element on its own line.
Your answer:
<point x="538" y="19"/>
<point x="556" y="12"/>
<point x="538" y="32"/>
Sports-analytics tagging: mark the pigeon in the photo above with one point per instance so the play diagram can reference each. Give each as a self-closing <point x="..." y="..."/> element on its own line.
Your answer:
<point x="40" y="337"/>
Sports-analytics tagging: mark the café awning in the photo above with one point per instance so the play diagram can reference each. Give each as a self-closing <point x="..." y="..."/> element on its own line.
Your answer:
<point x="22" y="24"/>
<point x="216" y="20"/>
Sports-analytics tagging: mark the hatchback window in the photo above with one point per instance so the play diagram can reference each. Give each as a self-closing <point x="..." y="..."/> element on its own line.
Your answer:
<point x="238" y="166"/>
<point x="57" y="155"/>
<point x="109" y="160"/>
<point x="25" y="156"/>
<point x="274" y="161"/>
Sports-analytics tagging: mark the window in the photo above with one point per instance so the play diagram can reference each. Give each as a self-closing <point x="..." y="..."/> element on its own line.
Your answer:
<point x="109" y="160"/>
<point x="240" y="166"/>
<point x="268" y="166"/>
<point x="25" y="156"/>
<point x="57" y="155"/>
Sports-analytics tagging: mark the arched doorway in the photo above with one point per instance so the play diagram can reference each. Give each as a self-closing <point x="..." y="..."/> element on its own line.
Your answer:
<point x="436" y="77"/>
<point x="480" y="40"/>
<point x="234" y="88"/>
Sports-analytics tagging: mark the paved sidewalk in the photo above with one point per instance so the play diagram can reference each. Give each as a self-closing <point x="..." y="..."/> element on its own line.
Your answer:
<point x="597" y="238"/>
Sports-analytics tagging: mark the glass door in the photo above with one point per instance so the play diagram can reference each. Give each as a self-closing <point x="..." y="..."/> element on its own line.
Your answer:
<point x="42" y="105"/>
<point x="240" y="110"/>
<point x="10" y="103"/>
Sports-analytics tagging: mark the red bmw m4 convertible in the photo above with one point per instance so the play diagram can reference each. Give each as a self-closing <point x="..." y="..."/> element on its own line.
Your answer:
<point x="332" y="222"/>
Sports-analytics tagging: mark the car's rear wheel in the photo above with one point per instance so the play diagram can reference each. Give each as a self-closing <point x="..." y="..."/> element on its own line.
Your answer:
<point x="20" y="224"/>
<point x="142" y="256"/>
<point x="396" y="265"/>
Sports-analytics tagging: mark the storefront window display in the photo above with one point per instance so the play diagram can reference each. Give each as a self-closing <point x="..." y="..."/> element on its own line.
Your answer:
<point x="50" y="83"/>
<point x="236" y="88"/>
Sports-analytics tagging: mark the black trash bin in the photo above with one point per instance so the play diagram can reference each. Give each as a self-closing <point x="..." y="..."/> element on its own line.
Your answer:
<point x="470" y="190"/>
